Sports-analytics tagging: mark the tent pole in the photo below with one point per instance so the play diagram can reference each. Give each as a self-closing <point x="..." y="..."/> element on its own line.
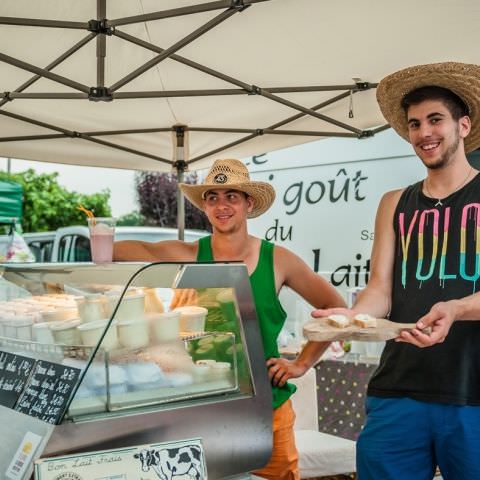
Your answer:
<point x="180" y="166"/>
<point x="101" y="44"/>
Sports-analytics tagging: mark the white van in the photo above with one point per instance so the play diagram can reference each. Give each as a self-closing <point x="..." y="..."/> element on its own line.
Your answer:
<point x="72" y="244"/>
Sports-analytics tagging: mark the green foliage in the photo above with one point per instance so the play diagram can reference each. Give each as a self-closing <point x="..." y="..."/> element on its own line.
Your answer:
<point x="48" y="206"/>
<point x="132" y="219"/>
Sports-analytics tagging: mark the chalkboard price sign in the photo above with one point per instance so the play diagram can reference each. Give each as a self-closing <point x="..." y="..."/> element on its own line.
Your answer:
<point x="47" y="391"/>
<point x="15" y="371"/>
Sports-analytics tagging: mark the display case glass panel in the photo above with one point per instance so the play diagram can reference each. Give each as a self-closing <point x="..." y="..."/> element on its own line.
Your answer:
<point x="129" y="335"/>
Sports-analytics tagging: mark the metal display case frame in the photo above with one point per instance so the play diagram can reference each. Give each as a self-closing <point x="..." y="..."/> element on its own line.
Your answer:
<point x="235" y="427"/>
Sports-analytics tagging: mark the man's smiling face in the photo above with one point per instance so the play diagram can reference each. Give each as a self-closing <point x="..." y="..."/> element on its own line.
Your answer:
<point x="434" y="134"/>
<point x="227" y="209"/>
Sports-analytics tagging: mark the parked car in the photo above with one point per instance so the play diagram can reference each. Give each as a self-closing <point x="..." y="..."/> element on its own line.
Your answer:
<point x="41" y="245"/>
<point x="72" y="244"/>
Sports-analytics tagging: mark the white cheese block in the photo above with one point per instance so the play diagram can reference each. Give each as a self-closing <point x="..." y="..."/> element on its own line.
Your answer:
<point x="339" y="321"/>
<point x="364" y="320"/>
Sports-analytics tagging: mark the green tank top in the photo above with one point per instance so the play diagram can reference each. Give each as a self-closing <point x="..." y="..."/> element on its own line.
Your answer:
<point x="270" y="313"/>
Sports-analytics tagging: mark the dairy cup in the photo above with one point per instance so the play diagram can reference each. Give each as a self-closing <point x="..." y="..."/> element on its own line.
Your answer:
<point x="192" y="318"/>
<point x="201" y="372"/>
<point x="206" y="361"/>
<point x="132" y="306"/>
<point x="112" y="298"/>
<point x="221" y="369"/>
<point x="133" y="333"/>
<point x="42" y="333"/>
<point x="165" y="326"/>
<point x="90" y="333"/>
<point x="91" y="308"/>
<point x="153" y="304"/>
<point x="19" y="327"/>
<point x="102" y="231"/>
<point x="5" y="321"/>
<point x="66" y="332"/>
<point x="57" y="314"/>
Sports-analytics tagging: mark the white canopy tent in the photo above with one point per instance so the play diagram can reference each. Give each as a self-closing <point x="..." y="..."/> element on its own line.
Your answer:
<point x="118" y="83"/>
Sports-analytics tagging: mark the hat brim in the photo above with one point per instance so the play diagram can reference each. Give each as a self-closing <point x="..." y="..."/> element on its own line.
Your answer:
<point x="263" y="194"/>
<point x="461" y="78"/>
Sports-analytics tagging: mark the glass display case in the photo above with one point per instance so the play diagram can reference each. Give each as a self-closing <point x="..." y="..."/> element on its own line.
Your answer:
<point x="101" y="357"/>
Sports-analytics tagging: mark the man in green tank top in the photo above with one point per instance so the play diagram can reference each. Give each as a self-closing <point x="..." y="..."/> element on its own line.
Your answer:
<point x="229" y="198"/>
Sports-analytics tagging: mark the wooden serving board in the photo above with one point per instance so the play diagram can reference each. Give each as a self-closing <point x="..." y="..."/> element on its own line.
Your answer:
<point x="319" y="330"/>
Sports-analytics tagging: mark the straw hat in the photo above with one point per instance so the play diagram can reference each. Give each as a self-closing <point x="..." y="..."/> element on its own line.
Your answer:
<point x="463" y="79"/>
<point x="232" y="175"/>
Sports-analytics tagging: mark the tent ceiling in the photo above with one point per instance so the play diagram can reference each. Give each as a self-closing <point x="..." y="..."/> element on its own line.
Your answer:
<point x="241" y="80"/>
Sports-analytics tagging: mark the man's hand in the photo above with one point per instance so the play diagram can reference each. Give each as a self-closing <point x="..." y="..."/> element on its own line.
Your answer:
<point x="184" y="296"/>
<point x="280" y="370"/>
<point x="326" y="312"/>
<point x="440" y="318"/>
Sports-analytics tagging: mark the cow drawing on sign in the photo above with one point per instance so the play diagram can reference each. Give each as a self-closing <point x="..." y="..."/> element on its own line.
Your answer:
<point x="169" y="463"/>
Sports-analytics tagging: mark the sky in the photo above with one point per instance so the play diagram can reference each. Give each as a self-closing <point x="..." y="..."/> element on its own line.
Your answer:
<point x="87" y="180"/>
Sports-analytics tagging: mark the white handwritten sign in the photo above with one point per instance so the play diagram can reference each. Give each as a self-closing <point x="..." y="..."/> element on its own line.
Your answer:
<point x="184" y="459"/>
<point x="48" y="390"/>
<point x="15" y="371"/>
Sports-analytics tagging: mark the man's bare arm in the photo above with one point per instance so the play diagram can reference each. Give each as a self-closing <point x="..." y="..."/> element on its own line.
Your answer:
<point x="376" y="298"/>
<point x="296" y="274"/>
<point x="292" y="271"/>
<point x="165" y="251"/>
<point x="280" y="370"/>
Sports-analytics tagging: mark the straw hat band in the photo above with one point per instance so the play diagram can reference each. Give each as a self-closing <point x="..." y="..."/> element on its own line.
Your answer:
<point x="461" y="78"/>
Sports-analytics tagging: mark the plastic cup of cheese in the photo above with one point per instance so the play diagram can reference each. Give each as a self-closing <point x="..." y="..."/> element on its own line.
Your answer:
<point x="153" y="303"/>
<point x="192" y="318"/>
<point x="165" y="326"/>
<point x="90" y="333"/>
<point x="221" y="369"/>
<point x="42" y="333"/>
<point x="112" y="299"/>
<point x="133" y="333"/>
<point x="19" y="327"/>
<point x="66" y="332"/>
<point x="91" y="308"/>
<point x="206" y="361"/>
<point x="132" y="306"/>
<point x="58" y="314"/>
<point x="201" y="372"/>
<point x="5" y="321"/>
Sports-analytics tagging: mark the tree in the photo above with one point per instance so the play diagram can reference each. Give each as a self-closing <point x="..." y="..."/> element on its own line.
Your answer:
<point x="48" y="206"/>
<point x="132" y="219"/>
<point x="157" y="196"/>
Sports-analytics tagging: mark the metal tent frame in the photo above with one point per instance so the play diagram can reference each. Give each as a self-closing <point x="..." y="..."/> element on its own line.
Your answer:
<point x="102" y="28"/>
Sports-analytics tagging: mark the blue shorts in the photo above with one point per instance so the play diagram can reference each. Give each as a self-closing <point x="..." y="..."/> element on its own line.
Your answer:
<point x="404" y="439"/>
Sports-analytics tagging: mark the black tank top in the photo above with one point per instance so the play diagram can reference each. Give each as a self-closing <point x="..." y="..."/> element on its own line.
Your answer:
<point x="437" y="258"/>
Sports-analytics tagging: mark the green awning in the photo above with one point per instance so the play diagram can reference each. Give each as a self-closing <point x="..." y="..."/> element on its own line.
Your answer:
<point x="11" y="199"/>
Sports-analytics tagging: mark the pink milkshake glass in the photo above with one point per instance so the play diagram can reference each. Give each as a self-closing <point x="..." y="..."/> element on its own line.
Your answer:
<point x="102" y="231"/>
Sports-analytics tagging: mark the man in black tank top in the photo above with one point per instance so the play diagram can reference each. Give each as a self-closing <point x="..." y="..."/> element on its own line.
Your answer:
<point x="423" y="404"/>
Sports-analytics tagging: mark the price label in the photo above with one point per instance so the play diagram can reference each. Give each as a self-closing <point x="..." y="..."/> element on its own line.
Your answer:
<point x="15" y="370"/>
<point x="47" y="391"/>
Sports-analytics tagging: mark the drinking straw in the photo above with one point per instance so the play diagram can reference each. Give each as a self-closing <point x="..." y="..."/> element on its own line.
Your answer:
<point x="89" y="213"/>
